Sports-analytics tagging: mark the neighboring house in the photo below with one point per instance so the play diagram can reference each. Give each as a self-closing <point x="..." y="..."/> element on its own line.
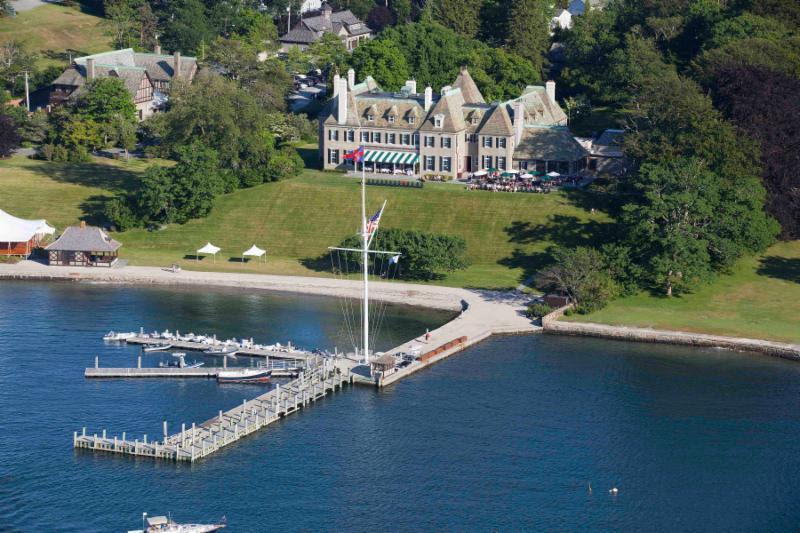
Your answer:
<point x="349" y="28"/>
<point x="449" y="133"/>
<point x="83" y="246"/>
<point x="147" y="76"/>
<point x="563" y="20"/>
<point x="310" y="5"/>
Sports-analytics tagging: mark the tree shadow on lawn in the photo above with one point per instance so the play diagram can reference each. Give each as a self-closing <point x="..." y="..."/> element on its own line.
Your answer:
<point x="310" y="157"/>
<point x="93" y="209"/>
<point x="787" y="269"/>
<point x="113" y="179"/>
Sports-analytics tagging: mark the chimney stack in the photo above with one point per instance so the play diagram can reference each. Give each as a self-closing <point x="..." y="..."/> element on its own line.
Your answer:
<point x="327" y="10"/>
<point x="428" y="97"/>
<point x="519" y="120"/>
<point x="550" y="89"/>
<point x="157" y="49"/>
<point x="412" y="86"/>
<point x="341" y="102"/>
<point x="336" y="79"/>
<point x="90" y="68"/>
<point x="176" y="65"/>
<point x="351" y="78"/>
<point x="445" y="89"/>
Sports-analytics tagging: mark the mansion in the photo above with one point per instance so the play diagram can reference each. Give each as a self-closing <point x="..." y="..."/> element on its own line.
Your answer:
<point x="452" y="133"/>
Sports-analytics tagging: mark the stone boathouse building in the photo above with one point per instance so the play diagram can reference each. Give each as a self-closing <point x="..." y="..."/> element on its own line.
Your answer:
<point x="450" y="133"/>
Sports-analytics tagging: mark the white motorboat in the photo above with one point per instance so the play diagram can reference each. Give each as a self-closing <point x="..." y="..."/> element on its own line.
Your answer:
<point x="244" y="375"/>
<point x="162" y="524"/>
<point x="117" y="337"/>
<point x="157" y="347"/>
<point x="228" y="350"/>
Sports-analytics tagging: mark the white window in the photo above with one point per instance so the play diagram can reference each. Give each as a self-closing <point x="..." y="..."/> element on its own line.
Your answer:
<point x="415" y="138"/>
<point x="444" y="164"/>
<point x="333" y="135"/>
<point x="438" y="120"/>
<point x="501" y="163"/>
<point x="390" y="138"/>
<point x="501" y="142"/>
<point x="370" y="118"/>
<point x="446" y="142"/>
<point x="475" y="120"/>
<point x="376" y="137"/>
<point x="391" y="119"/>
<point x="430" y="141"/>
<point x="487" y="142"/>
<point x="412" y="119"/>
<point x="364" y="136"/>
<point x="430" y="162"/>
<point x="487" y="162"/>
<point x="405" y="139"/>
<point x="333" y="157"/>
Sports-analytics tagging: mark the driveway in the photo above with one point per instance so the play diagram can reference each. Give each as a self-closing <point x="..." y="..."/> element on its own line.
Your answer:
<point x="26" y="5"/>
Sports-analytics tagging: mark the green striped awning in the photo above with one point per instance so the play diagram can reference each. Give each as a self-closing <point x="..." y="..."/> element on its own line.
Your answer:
<point x="399" y="158"/>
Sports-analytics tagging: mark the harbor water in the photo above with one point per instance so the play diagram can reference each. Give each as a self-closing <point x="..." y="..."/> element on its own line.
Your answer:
<point x="517" y="433"/>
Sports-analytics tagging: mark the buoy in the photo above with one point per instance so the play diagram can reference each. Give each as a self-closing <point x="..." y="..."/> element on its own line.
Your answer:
<point x="614" y="491"/>
<point x="590" y="487"/>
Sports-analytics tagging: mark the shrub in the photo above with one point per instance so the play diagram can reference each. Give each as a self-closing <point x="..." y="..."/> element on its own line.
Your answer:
<point x="538" y="310"/>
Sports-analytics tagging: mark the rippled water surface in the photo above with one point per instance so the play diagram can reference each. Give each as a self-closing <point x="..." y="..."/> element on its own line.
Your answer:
<point x="508" y="435"/>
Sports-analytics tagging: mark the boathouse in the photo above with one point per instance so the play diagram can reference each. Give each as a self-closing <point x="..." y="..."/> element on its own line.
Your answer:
<point x="83" y="246"/>
<point x="19" y="236"/>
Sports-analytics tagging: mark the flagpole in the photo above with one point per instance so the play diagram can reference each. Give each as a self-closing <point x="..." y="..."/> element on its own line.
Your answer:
<point x="365" y="261"/>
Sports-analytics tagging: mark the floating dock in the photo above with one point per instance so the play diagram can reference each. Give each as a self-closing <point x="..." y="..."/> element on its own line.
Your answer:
<point x="284" y="369"/>
<point x="324" y="375"/>
<point x="201" y="347"/>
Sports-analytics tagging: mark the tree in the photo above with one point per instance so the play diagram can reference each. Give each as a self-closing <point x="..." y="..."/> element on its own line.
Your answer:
<point x="185" y="26"/>
<point x="196" y="182"/>
<point x="379" y="17"/>
<point x="459" y="15"/>
<point x="746" y="26"/>
<point x="581" y="274"/>
<point x="154" y="200"/>
<point x="14" y="61"/>
<point x="105" y="100"/>
<point x="383" y="61"/>
<point x="9" y="135"/>
<point x="329" y="52"/>
<point x="401" y="9"/>
<point x="529" y="30"/>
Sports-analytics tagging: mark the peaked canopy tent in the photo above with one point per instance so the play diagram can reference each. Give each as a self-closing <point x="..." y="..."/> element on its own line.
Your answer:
<point x="19" y="236"/>
<point x="255" y="251"/>
<point x="208" y="249"/>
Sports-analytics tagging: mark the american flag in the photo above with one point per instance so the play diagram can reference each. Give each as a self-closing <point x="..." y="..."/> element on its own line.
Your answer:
<point x="373" y="221"/>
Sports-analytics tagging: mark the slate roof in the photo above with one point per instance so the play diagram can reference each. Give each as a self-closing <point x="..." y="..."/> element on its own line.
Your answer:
<point x="553" y="143"/>
<point x="449" y="106"/>
<point x="84" y="239"/>
<point x="539" y="109"/>
<point x="124" y="63"/>
<point x="468" y="88"/>
<point x="497" y="122"/>
<point x="310" y="29"/>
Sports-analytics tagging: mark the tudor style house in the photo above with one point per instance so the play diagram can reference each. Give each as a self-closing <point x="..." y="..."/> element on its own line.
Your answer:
<point x="450" y="133"/>
<point x="147" y="77"/>
<point x="349" y="28"/>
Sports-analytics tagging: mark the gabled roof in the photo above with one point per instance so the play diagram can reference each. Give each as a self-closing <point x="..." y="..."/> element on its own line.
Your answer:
<point x="449" y="107"/>
<point x="496" y="122"/>
<point x="554" y="143"/>
<point x="539" y="109"/>
<point x="311" y="29"/>
<point x="84" y="239"/>
<point x="468" y="88"/>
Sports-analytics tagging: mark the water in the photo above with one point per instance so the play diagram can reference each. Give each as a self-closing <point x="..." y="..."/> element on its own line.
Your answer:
<point x="507" y="435"/>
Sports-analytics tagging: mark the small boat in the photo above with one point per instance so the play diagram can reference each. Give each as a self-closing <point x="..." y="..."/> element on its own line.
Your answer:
<point x="221" y="351"/>
<point x="244" y="375"/>
<point x="162" y="524"/>
<point x="194" y="365"/>
<point x="116" y="337"/>
<point x="157" y="347"/>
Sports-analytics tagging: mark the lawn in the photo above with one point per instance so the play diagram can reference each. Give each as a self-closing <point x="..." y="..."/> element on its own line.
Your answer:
<point x="53" y="30"/>
<point x="297" y="220"/>
<point x="760" y="298"/>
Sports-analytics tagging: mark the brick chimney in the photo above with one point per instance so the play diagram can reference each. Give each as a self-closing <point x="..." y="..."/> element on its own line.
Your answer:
<point x="341" y="102"/>
<point x="550" y="89"/>
<point x="90" y="73"/>
<point x="428" y="97"/>
<point x="176" y="65"/>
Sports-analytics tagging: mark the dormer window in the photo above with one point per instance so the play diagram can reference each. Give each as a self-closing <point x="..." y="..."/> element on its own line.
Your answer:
<point x="370" y="118"/>
<point x="475" y="120"/>
<point x="438" y="120"/>
<point x="412" y="120"/>
<point x="391" y="119"/>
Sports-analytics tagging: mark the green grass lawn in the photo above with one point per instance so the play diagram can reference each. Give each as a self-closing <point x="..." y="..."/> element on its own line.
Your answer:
<point x="760" y="298"/>
<point x="297" y="220"/>
<point x="52" y="30"/>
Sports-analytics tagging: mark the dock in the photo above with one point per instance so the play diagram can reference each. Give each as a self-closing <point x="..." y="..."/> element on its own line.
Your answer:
<point x="200" y="347"/>
<point x="282" y="369"/>
<point x="323" y="376"/>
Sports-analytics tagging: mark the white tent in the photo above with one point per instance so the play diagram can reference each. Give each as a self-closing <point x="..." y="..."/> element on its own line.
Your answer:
<point x="13" y="229"/>
<point x="208" y="249"/>
<point x="553" y="174"/>
<point x="255" y="251"/>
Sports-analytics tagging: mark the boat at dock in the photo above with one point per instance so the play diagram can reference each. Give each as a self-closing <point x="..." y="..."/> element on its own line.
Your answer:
<point x="156" y="347"/>
<point x="163" y="524"/>
<point x="118" y="337"/>
<point x="244" y="375"/>
<point x="231" y="352"/>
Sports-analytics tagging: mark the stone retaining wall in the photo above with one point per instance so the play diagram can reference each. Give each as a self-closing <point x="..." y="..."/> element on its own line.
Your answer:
<point x="551" y="324"/>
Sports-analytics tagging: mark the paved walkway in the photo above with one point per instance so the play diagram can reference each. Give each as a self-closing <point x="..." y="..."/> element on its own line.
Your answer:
<point x="26" y="5"/>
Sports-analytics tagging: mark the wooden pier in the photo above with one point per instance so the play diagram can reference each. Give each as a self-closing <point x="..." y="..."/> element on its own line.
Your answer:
<point x="323" y="375"/>
<point x="201" y="347"/>
<point x="284" y="369"/>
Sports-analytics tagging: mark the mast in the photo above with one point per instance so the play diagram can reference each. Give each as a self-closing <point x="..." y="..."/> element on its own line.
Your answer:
<point x="364" y="264"/>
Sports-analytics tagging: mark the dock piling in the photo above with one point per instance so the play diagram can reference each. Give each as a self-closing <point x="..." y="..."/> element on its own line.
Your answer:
<point x="97" y="361"/>
<point x="139" y="362"/>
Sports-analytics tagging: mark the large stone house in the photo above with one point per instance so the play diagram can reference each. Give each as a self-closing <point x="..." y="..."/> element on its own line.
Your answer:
<point x="349" y="28"/>
<point x="146" y="76"/>
<point x="450" y="133"/>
